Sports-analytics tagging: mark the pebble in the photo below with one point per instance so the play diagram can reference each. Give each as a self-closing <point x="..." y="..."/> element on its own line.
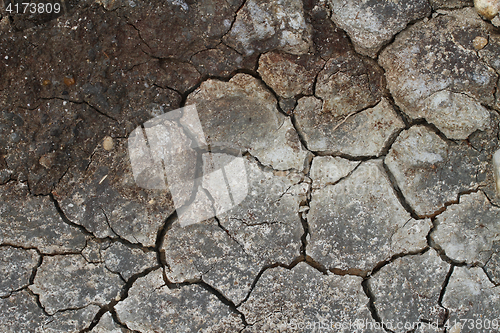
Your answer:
<point x="107" y="143"/>
<point x="479" y="42"/>
<point x="487" y="8"/>
<point x="69" y="80"/>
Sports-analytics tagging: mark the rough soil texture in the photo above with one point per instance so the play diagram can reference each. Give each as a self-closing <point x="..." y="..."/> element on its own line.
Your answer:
<point x="356" y="139"/>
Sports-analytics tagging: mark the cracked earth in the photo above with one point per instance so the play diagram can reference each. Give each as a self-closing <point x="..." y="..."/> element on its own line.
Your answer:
<point x="368" y="131"/>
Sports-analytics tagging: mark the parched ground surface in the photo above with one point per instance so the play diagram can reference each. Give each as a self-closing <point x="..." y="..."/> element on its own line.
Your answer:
<point x="367" y="130"/>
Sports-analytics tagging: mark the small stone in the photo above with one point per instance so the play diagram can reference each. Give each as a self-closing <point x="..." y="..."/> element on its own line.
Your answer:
<point x="487" y="8"/>
<point x="16" y="267"/>
<point x="479" y="42"/>
<point x="107" y="143"/>
<point x="409" y="288"/>
<point x="466" y="231"/>
<point x="359" y="222"/>
<point x="236" y="113"/>
<point x="33" y="221"/>
<point x="364" y="133"/>
<point x="327" y="170"/>
<point x="431" y="173"/>
<point x="262" y="25"/>
<point x="372" y="24"/>
<point x="470" y="296"/>
<point x="127" y="261"/>
<point x="69" y="80"/>
<point x="152" y="306"/>
<point x="284" y="300"/>
<point x="69" y="281"/>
